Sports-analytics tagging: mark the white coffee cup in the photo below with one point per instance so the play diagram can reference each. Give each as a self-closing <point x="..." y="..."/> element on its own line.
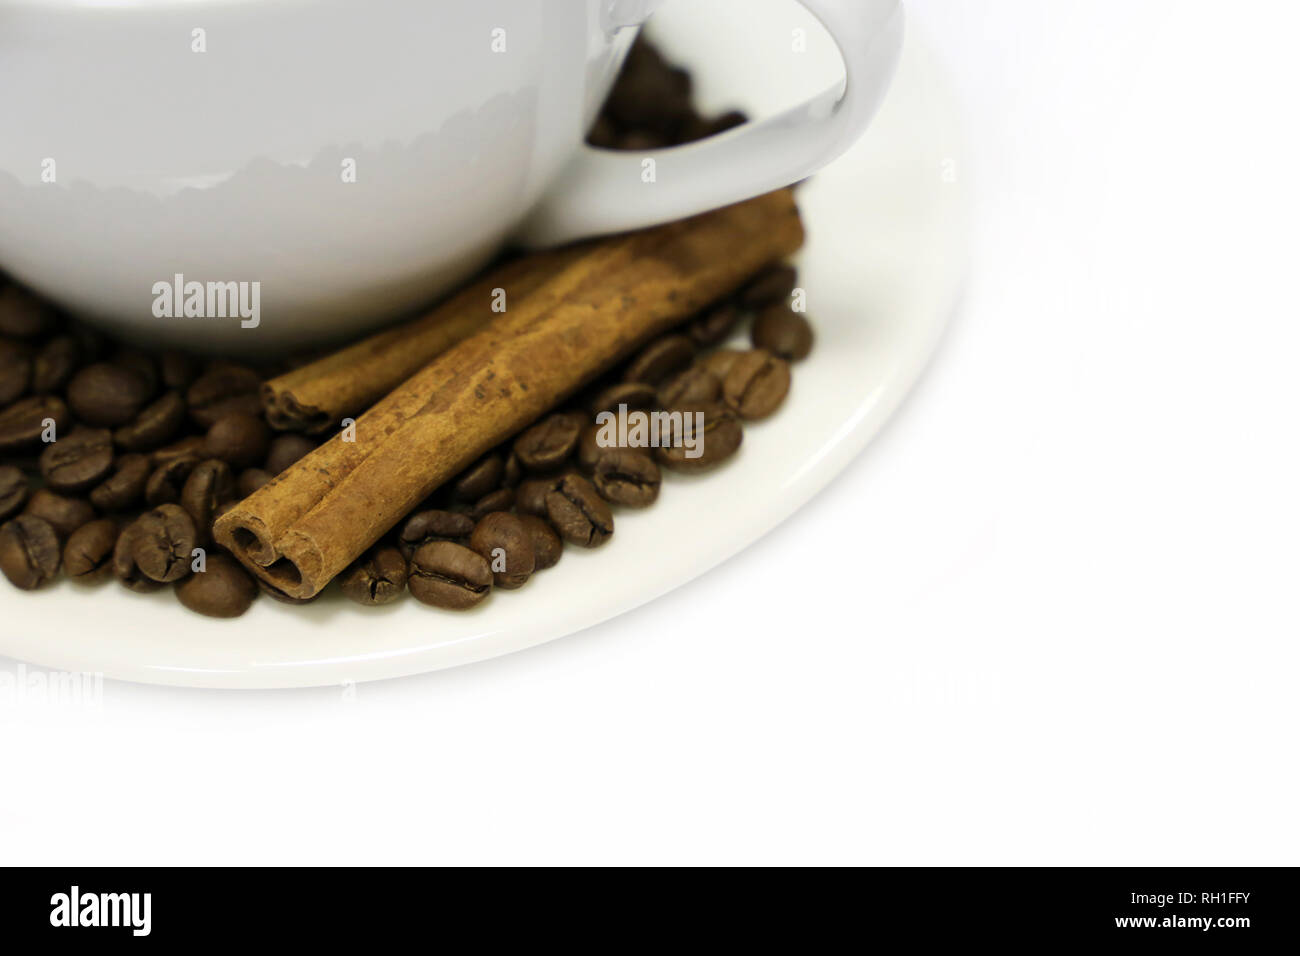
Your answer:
<point x="348" y="161"/>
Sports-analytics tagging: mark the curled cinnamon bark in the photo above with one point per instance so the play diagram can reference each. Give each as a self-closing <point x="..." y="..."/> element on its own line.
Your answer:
<point x="303" y="528"/>
<point x="319" y="395"/>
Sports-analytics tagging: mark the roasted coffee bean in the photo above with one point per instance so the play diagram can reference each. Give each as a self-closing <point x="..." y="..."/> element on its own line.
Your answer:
<point x="189" y="447"/>
<point x="88" y="555"/>
<point x="503" y="499"/>
<point x="589" y="448"/>
<point x="547" y="546"/>
<point x="698" y="128"/>
<point x="54" y="364"/>
<point x="576" y="510"/>
<point x="378" y="577"/>
<point x="15" y="371"/>
<point x="64" y="514"/>
<point x="783" y="332"/>
<point x="14" y="489"/>
<point x="695" y="384"/>
<point x="91" y="343"/>
<point x="660" y="359"/>
<point x="756" y="384"/>
<point x="224" y="388"/>
<point x="239" y="439"/>
<point x="711" y="439"/>
<point x="157" y="423"/>
<point x="177" y="370"/>
<point x="549" y="443"/>
<point x="142" y="365"/>
<point x="692" y="129"/>
<point x="124" y="567"/>
<point x="513" y="472"/>
<point x="603" y="134"/>
<point x="728" y="120"/>
<point x="433" y="525"/>
<point x="530" y="496"/>
<point x="23" y="422"/>
<point x="29" y="552"/>
<point x="23" y="315"/>
<point x="626" y="476"/>
<point x="720" y="362"/>
<point x="641" y="140"/>
<point x="714" y="326"/>
<point x="125" y="487"/>
<point x="286" y="450"/>
<point x="449" y="575"/>
<point x="479" y="479"/>
<point x="163" y="543"/>
<point x="209" y="486"/>
<point x="637" y="396"/>
<point x="251" y="479"/>
<point x="649" y="93"/>
<point x="773" y="284"/>
<point x="508" y="547"/>
<point x="222" y="589"/>
<point x="167" y="480"/>
<point x="107" y="395"/>
<point x="78" y="461"/>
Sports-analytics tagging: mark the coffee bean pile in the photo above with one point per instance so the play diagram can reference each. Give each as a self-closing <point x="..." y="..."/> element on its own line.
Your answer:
<point x="511" y="513"/>
<point x="650" y="106"/>
<point x="148" y="450"/>
<point x="114" y="462"/>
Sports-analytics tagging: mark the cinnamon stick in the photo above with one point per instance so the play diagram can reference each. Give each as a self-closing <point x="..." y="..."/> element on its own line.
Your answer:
<point x="311" y="522"/>
<point x="319" y="395"/>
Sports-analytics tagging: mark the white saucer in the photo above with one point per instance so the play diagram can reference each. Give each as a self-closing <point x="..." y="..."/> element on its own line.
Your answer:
<point x="887" y="228"/>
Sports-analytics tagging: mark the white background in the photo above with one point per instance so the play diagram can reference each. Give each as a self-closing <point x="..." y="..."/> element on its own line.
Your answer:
<point x="1050" y="616"/>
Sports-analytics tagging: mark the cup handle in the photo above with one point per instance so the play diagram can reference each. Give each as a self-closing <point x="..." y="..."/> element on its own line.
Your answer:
<point x="604" y="191"/>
